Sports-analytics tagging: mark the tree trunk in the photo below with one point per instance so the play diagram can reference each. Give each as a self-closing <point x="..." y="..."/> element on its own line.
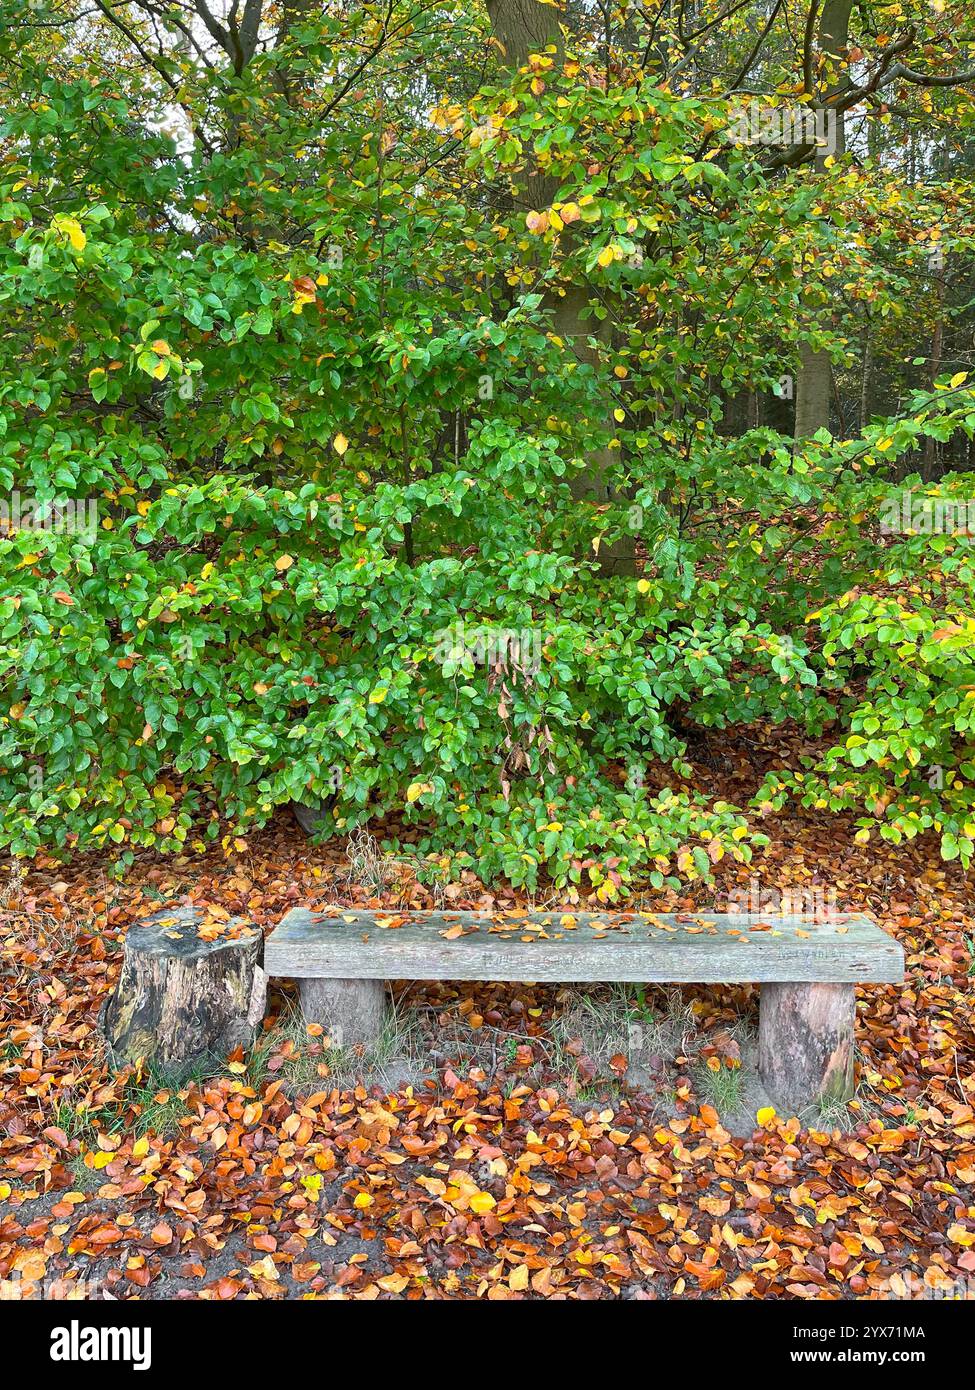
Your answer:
<point x="813" y="390"/>
<point x="182" y="1000"/>
<point x="934" y="369"/>
<point x="524" y="27"/>
<point x="815" y="368"/>
<point x="866" y="367"/>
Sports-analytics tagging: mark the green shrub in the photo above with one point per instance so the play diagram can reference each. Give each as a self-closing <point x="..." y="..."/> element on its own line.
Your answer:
<point x="341" y="483"/>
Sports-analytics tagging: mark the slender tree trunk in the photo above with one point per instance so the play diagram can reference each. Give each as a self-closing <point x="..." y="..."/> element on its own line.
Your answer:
<point x="934" y="370"/>
<point x="940" y="273"/>
<point x="812" y="392"/>
<point x="866" y="367"/>
<point x="524" y="27"/>
<point x="813" y="387"/>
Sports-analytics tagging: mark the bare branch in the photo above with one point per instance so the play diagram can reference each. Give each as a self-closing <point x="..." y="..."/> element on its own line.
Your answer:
<point x="152" y="63"/>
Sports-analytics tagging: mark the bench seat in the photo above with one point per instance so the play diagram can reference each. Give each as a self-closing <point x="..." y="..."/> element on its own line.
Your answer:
<point x="580" y="946"/>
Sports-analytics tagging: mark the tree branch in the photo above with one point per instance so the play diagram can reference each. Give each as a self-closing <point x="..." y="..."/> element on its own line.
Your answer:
<point x="152" y="63"/>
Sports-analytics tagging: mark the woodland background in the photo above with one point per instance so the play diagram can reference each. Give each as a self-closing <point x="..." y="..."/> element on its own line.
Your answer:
<point x="420" y="375"/>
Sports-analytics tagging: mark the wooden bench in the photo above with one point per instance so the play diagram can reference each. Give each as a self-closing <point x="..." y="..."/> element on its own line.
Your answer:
<point x="807" y="968"/>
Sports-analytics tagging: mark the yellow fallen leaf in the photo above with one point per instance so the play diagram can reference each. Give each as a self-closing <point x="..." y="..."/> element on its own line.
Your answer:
<point x="393" y="1283"/>
<point x="263" y="1269"/>
<point x="30" y="1265"/>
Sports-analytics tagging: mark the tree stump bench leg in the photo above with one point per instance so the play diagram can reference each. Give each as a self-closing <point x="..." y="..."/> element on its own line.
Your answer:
<point x="352" y="1012"/>
<point x="805" y="1043"/>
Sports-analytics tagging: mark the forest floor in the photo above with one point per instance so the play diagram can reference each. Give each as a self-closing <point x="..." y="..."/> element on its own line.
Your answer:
<point x="515" y="1155"/>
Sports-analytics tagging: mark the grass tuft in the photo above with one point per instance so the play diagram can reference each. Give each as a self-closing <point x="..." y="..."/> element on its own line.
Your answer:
<point x="621" y="1019"/>
<point x="724" y="1088"/>
<point x="308" y="1061"/>
<point x="161" y="1099"/>
<point x="369" y="867"/>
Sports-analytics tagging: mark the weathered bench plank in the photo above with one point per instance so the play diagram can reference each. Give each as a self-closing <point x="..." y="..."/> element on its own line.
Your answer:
<point x="563" y="947"/>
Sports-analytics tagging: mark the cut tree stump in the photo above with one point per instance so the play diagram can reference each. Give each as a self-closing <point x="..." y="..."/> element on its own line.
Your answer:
<point x="184" y="999"/>
<point x="311" y="818"/>
<point x="805" y="1043"/>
